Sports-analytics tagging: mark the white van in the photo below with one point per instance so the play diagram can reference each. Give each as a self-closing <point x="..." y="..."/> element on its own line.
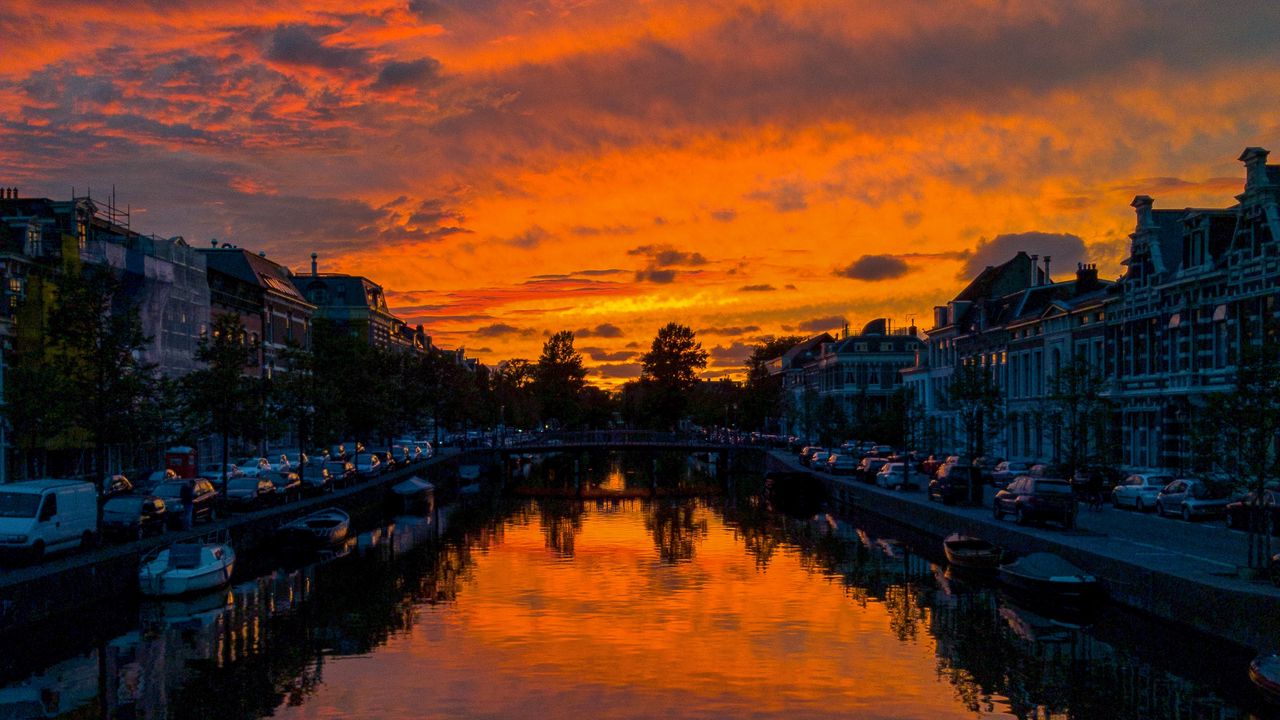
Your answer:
<point x="40" y="516"/>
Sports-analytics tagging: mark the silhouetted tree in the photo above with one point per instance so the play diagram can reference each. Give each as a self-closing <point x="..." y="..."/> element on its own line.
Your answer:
<point x="1079" y="411"/>
<point x="559" y="378"/>
<point x="670" y="371"/>
<point x="220" y="397"/>
<point x="977" y="400"/>
<point x="762" y="402"/>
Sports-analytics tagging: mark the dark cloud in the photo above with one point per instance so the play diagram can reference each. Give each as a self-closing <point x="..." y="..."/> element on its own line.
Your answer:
<point x="789" y="286"/>
<point x="724" y="215"/>
<point x="634" y="345"/>
<point x="603" y="355"/>
<point x="730" y="330"/>
<point x="501" y="330"/>
<point x="821" y="324"/>
<point x="757" y="288"/>
<point x="604" y="330"/>
<point x="590" y="231"/>
<point x="660" y="277"/>
<point x="912" y="218"/>
<point x="783" y="195"/>
<point x="595" y="273"/>
<point x="303" y="45"/>
<point x="529" y="239"/>
<point x="667" y="256"/>
<point x="875" y="267"/>
<point x="735" y="354"/>
<point x="1065" y="249"/>
<point x="412" y="73"/>
<point x="625" y="371"/>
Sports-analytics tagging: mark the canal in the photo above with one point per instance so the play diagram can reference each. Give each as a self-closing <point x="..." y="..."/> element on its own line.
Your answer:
<point x="666" y="592"/>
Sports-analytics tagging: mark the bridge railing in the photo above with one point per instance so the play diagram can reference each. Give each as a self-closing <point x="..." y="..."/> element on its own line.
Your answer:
<point x="610" y="437"/>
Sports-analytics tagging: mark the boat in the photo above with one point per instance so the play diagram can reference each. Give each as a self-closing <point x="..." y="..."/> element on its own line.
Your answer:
<point x="1264" y="671"/>
<point x="1046" y="576"/>
<point x="970" y="553"/>
<point x="320" y="530"/>
<point x="186" y="568"/>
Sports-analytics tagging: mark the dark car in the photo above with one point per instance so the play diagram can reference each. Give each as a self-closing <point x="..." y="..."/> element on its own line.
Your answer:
<point x="316" y="479"/>
<point x="249" y="493"/>
<point x="955" y="482"/>
<point x="288" y="486"/>
<point x="388" y="459"/>
<point x="204" y="500"/>
<point x="341" y="472"/>
<point x="133" y="517"/>
<point x="869" y="467"/>
<point x="1037" y="499"/>
<point x="1268" y="513"/>
<point x="116" y="485"/>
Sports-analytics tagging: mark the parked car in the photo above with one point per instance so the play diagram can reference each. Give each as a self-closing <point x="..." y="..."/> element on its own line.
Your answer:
<point x="929" y="466"/>
<point x="954" y="482"/>
<point x="253" y="466"/>
<point x="806" y="453"/>
<point x="818" y="460"/>
<point x="213" y="471"/>
<point x="1190" y="498"/>
<point x="986" y="465"/>
<point x="160" y="476"/>
<point x="368" y="465"/>
<point x="1008" y="471"/>
<point x="389" y="460"/>
<point x="292" y="460"/>
<point x="1037" y="499"/>
<point x="133" y="517"/>
<point x="249" y="493"/>
<point x="892" y="475"/>
<point x="1139" y="491"/>
<point x="842" y="464"/>
<point x="881" y="451"/>
<point x="288" y="486"/>
<point x="116" y="485"/>
<point x="316" y="479"/>
<point x="39" y="516"/>
<point x="868" y="468"/>
<point x="1238" y="512"/>
<point x="205" y="498"/>
<point x="341" y="472"/>
<point x="353" y="448"/>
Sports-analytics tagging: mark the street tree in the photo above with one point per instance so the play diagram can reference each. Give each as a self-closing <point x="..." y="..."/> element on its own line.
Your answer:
<point x="762" y="397"/>
<point x="95" y="332"/>
<point x="976" y="399"/>
<point x="559" y="378"/>
<point x="670" y="371"/>
<point x="220" y="398"/>
<point x="1080" y="414"/>
<point x="1245" y="423"/>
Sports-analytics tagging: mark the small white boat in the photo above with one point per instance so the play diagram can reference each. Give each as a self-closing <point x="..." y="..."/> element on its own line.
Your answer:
<point x="415" y="488"/>
<point x="320" y="530"/>
<point x="186" y="568"/>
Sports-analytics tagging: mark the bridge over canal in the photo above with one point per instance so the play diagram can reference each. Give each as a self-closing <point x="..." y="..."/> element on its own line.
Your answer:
<point x="617" y="440"/>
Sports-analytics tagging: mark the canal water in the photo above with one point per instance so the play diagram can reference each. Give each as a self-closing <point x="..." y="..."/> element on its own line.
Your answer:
<point x="634" y="603"/>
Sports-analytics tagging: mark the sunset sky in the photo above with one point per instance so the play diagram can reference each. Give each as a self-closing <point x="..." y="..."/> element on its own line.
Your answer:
<point x="508" y="169"/>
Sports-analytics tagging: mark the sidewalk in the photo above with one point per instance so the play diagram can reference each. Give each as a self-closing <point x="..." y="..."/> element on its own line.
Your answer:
<point x="1180" y="571"/>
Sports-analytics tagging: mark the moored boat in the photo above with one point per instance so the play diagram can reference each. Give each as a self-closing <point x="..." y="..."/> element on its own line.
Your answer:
<point x="971" y="553"/>
<point x="1049" y="577"/>
<point x="1264" y="671"/>
<point x="186" y="568"/>
<point x="320" y="530"/>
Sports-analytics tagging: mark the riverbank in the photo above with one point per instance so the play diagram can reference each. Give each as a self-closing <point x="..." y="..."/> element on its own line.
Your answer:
<point x="1149" y="564"/>
<point x="40" y="593"/>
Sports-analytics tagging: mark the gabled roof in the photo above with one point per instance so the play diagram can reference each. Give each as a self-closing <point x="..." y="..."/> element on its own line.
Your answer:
<point x="353" y="289"/>
<point x="252" y="269"/>
<point x="1000" y="280"/>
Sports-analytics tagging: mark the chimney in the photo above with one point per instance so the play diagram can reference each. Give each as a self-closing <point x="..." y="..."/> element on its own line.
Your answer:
<point x="314" y="270"/>
<point x="1035" y="267"/>
<point x="1142" y="205"/>
<point x="213" y="243"/>
<point x="1255" y="163"/>
<point x="1047" y="277"/>
<point x="262" y="253"/>
<point x="1086" y="278"/>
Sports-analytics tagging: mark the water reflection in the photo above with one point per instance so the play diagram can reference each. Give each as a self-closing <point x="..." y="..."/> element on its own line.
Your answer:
<point x="669" y="606"/>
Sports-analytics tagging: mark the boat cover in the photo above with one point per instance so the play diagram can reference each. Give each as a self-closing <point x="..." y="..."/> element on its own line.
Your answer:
<point x="413" y="486"/>
<point x="1045" y="565"/>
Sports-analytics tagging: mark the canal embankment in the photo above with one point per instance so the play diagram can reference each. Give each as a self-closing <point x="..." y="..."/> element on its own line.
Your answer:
<point x="1201" y="593"/>
<point x="41" y="593"/>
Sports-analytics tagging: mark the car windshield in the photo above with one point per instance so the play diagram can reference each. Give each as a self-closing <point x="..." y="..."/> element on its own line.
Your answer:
<point x="18" y="505"/>
<point x="242" y="484"/>
<point x="1051" y="487"/>
<point x="169" y="490"/>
